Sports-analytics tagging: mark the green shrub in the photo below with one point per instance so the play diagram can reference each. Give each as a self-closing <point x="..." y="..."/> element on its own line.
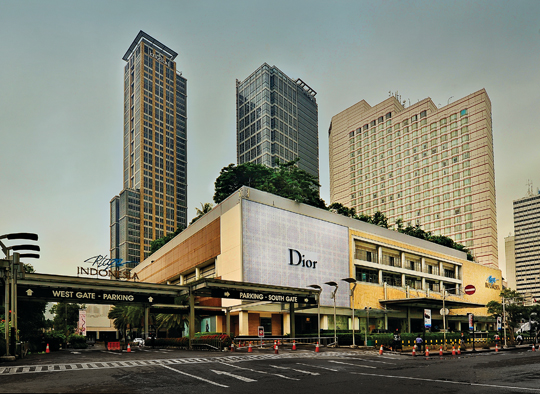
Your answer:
<point x="54" y="339"/>
<point x="77" y="341"/>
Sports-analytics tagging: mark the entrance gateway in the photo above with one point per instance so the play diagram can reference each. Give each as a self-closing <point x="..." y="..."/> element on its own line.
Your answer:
<point x="159" y="297"/>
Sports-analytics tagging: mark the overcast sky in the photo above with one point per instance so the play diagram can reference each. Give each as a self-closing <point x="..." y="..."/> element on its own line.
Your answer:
<point x="61" y="91"/>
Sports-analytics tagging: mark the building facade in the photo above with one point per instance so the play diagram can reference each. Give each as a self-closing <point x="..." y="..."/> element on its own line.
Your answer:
<point x="153" y="201"/>
<point x="276" y="119"/>
<point x="259" y="238"/>
<point x="510" y="260"/>
<point x="426" y="165"/>
<point x="527" y="245"/>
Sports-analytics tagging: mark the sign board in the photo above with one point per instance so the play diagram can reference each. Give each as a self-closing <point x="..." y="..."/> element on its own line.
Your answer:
<point x="266" y="296"/>
<point x="470" y="317"/>
<point x="470" y="289"/>
<point x="82" y="322"/>
<point x="91" y="296"/>
<point x="261" y="332"/>
<point x="427" y="318"/>
<point x="499" y="323"/>
<point x="444" y="312"/>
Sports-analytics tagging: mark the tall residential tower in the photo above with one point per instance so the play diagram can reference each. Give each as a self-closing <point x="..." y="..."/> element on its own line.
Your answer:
<point x="153" y="201"/>
<point x="427" y="165"/>
<point x="276" y="119"/>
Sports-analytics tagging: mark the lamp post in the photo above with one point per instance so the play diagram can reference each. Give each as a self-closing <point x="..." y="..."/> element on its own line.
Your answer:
<point x="367" y="309"/>
<point x="332" y="283"/>
<point x="353" y="282"/>
<point x="10" y="270"/>
<point x="319" y="288"/>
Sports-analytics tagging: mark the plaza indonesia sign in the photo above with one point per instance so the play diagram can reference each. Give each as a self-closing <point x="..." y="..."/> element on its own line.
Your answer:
<point x="491" y="283"/>
<point x="104" y="267"/>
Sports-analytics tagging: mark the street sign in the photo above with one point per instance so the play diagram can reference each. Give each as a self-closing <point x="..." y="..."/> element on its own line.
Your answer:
<point x="470" y="289"/>
<point x="266" y="296"/>
<point x="261" y="332"/>
<point x="444" y="311"/>
<point x="427" y="318"/>
<point x="470" y="317"/>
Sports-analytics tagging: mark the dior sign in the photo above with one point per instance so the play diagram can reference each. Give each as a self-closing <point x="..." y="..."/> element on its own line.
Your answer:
<point x="298" y="259"/>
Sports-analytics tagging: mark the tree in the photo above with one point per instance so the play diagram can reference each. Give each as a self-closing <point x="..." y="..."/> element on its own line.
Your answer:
<point x="232" y="178"/>
<point x="126" y="317"/>
<point x="156" y="244"/>
<point x="169" y="321"/>
<point x="285" y="180"/>
<point x="66" y="317"/>
<point x="342" y="210"/>
<point x="380" y="219"/>
<point x="514" y="309"/>
<point x="205" y="208"/>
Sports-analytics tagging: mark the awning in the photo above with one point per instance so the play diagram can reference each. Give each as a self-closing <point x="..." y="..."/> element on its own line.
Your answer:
<point x="431" y="303"/>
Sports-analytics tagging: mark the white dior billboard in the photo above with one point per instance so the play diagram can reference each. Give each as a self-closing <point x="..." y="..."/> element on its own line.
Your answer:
<point x="283" y="248"/>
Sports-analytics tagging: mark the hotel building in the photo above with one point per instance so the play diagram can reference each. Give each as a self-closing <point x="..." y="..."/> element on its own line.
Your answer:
<point x="276" y="119"/>
<point x="527" y="245"/>
<point x="256" y="238"/>
<point x="153" y="201"/>
<point x="429" y="166"/>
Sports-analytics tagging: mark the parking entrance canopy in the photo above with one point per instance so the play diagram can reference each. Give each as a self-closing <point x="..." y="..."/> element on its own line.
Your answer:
<point x="430" y="303"/>
<point x="54" y="288"/>
<point x="208" y="287"/>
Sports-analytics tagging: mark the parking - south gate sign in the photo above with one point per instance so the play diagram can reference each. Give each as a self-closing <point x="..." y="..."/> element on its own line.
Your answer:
<point x="266" y="296"/>
<point x="91" y="296"/>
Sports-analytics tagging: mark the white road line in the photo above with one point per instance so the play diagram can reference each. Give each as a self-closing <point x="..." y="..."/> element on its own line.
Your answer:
<point x="242" y="378"/>
<point x="297" y="370"/>
<point x="195" y="377"/>
<point x="355" y="365"/>
<point x="263" y="372"/>
<point x="317" y="366"/>
<point x="373" y="361"/>
<point x="447" y="381"/>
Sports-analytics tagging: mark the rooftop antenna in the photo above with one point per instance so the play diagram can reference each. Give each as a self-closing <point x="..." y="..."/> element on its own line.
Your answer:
<point x="389" y="93"/>
<point x="529" y="188"/>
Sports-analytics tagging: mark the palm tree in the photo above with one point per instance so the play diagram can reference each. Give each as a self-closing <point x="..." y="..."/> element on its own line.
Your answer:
<point x="206" y="207"/>
<point x="169" y="321"/>
<point x="125" y="316"/>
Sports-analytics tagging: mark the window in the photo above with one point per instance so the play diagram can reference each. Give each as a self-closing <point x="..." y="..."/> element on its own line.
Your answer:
<point x="366" y="275"/>
<point x="423" y="114"/>
<point x="463" y="112"/>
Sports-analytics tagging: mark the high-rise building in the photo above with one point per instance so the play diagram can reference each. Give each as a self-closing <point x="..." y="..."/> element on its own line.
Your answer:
<point x="276" y="119"/>
<point x="153" y="201"/>
<point x="527" y="245"/>
<point x="427" y="165"/>
<point x="510" y="261"/>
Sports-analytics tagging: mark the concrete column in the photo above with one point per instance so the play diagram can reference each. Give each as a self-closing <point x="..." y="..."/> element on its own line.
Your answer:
<point x="403" y="280"/>
<point x="379" y="255"/>
<point x="423" y="262"/>
<point x="181" y="280"/>
<point x="424" y="284"/>
<point x="456" y="271"/>
<point x="292" y="321"/>
<point x="380" y="277"/>
<point x="146" y="313"/>
<point x="228" y="324"/>
<point x="441" y="269"/>
<point x="408" y="319"/>
<point x="441" y="286"/>
<point x="191" y="317"/>
<point x="402" y="258"/>
<point x="197" y="273"/>
<point x="243" y="323"/>
<point x="386" y="321"/>
<point x="286" y="323"/>
<point x="458" y="326"/>
<point x="324" y="322"/>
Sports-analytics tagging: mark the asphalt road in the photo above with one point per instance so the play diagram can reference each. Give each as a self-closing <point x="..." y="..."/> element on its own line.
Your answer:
<point x="303" y="371"/>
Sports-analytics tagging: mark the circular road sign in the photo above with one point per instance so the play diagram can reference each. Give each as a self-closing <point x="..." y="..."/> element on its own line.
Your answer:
<point x="444" y="312"/>
<point x="470" y="289"/>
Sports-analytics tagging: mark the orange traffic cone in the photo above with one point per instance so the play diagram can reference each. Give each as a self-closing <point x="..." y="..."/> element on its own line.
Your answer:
<point x="381" y="351"/>
<point x="414" y="351"/>
<point x="48" y="351"/>
<point x="232" y="347"/>
<point x="275" y="344"/>
<point x="440" y="351"/>
<point x="459" y="350"/>
<point x="454" y="350"/>
<point x="129" y="348"/>
<point x="317" y="348"/>
<point x="496" y="348"/>
<point x="250" y="349"/>
<point x="427" y="351"/>
<point x="276" y="351"/>
<point x="533" y="348"/>
<point x="293" y="345"/>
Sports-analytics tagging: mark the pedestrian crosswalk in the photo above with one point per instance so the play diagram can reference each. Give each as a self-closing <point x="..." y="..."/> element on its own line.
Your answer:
<point x="161" y="362"/>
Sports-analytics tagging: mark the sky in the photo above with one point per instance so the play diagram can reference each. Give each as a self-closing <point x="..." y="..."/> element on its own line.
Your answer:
<point x="61" y="92"/>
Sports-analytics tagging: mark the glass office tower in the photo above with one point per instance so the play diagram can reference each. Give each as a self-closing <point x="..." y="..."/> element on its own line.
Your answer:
<point x="276" y="119"/>
<point x="153" y="201"/>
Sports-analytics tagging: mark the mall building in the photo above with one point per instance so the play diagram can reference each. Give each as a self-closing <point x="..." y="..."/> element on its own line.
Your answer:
<point x="255" y="237"/>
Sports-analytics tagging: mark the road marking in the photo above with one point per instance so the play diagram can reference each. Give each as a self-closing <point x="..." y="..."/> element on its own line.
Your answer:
<point x="297" y="370"/>
<point x="195" y="377"/>
<point x="317" y="366"/>
<point x="446" y="381"/>
<point x="355" y="365"/>
<point x="263" y="372"/>
<point x="242" y="378"/>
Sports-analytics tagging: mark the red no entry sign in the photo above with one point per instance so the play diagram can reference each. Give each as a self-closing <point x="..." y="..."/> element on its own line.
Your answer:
<point x="470" y="289"/>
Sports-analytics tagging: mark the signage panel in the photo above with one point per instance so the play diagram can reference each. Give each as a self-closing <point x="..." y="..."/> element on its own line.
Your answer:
<point x="499" y="323"/>
<point x="261" y="332"/>
<point x="258" y="296"/>
<point x="91" y="296"/>
<point x="283" y="248"/>
<point x="82" y="322"/>
<point x="470" y="317"/>
<point x="427" y="318"/>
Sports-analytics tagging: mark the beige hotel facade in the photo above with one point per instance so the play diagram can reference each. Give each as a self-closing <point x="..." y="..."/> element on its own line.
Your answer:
<point x="427" y="165"/>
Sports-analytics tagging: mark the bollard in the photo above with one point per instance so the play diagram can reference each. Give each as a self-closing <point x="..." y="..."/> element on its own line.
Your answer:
<point x="453" y="350"/>
<point x="232" y="347"/>
<point x="129" y="348"/>
<point x="427" y="351"/>
<point x="496" y="348"/>
<point x="381" y="351"/>
<point x="47" y="349"/>
<point x="440" y="351"/>
<point x="276" y="351"/>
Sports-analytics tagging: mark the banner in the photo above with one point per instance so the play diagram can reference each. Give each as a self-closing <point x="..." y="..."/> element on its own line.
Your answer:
<point x="470" y="317"/>
<point x="82" y="322"/>
<point x="427" y="318"/>
<point x="499" y="323"/>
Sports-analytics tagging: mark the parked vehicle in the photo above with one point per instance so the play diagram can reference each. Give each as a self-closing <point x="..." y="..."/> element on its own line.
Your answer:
<point x="139" y="341"/>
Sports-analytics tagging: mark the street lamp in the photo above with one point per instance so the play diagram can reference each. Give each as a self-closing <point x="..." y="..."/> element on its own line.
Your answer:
<point x="353" y="282"/>
<point x="332" y="283"/>
<point x="11" y="269"/>
<point x="319" y="288"/>
<point x="367" y="309"/>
